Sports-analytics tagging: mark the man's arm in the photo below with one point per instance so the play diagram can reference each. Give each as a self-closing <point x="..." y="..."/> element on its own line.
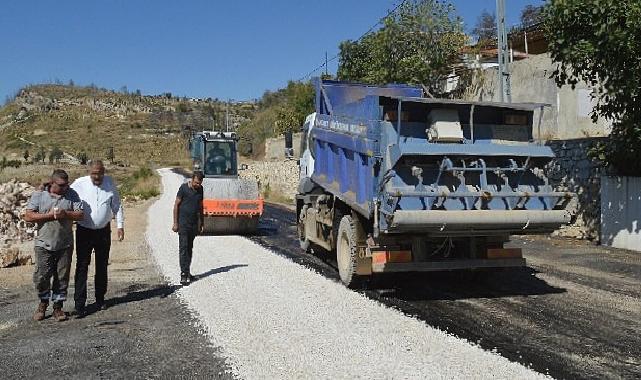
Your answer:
<point x="32" y="216"/>
<point x="176" y="205"/>
<point x="75" y="215"/>
<point x="117" y="210"/>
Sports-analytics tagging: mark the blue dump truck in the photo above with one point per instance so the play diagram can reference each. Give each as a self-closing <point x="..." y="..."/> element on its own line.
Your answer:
<point x="393" y="181"/>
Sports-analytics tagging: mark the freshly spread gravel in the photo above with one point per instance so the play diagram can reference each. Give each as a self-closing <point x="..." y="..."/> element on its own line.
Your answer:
<point x="276" y="319"/>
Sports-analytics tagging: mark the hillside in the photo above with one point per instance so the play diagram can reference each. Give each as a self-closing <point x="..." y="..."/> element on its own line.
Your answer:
<point x="79" y="121"/>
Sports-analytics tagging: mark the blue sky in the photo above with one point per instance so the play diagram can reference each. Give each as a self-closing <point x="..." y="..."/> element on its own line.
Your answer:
<point x="225" y="49"/>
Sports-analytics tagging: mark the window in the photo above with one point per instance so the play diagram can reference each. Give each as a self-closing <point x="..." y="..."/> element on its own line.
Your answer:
<point x="220" y="158"/>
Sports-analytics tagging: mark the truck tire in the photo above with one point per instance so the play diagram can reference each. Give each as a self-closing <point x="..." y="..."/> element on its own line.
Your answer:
<point x="347" y="253"/>
<point x="302" y="238"/>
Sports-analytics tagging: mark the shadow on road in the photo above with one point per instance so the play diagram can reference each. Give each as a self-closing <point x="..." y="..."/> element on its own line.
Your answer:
<point x="141" y="292"/>
<point x="160" y="291"/>
<point x="464" y="285"/>
<point x="214" y="271"/>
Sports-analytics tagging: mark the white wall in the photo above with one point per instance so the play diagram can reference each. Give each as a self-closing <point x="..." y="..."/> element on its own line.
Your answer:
<point x="568" y="116"/>
<point x="621" y="212"/>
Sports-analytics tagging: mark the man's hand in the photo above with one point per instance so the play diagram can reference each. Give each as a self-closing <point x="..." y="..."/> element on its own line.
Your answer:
<point x="121" y="234"/>
<point x="59" y="213"/>
<point x="175" y="227"/>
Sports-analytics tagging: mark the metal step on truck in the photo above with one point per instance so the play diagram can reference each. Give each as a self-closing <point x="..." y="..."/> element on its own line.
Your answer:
<point x="392" y="181"/>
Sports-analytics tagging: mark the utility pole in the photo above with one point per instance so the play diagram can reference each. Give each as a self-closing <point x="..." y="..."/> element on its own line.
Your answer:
<point x="326" y="72"/>
<point x="227" y="116"/>
<point x="504" y="68"/>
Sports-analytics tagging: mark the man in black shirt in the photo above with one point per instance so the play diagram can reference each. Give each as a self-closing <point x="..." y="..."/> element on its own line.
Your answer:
<point x="188" y="222"/>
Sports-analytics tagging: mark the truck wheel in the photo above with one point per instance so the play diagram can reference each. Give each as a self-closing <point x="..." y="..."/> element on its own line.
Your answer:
<point x="302" y="238"/>
<point x="347" y="252"/>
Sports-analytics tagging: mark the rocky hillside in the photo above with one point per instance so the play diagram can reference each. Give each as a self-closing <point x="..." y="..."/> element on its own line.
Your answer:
<point x="92" y="122"/>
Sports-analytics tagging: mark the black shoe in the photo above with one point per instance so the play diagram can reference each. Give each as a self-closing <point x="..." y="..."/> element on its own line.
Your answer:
<point x="81" y="312"/>
<point x="101" y="304"/>
<point x="192" y="278"/>
<point x="184" y="279"/>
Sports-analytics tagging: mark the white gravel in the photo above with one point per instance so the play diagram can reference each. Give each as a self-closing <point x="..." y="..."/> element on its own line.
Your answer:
<point x="274" y="319"/>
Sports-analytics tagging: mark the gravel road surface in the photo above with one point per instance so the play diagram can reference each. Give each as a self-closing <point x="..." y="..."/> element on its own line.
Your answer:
<point x="273" y="318"/>
<point x="574" y="312"/>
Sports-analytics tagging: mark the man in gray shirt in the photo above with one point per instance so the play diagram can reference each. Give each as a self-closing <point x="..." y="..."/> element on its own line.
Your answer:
<point x="53" y="209"/>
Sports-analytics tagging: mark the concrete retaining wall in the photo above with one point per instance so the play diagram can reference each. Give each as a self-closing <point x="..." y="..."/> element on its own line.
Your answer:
<point x="621" y="212"/>
<point x="275" y="147"/>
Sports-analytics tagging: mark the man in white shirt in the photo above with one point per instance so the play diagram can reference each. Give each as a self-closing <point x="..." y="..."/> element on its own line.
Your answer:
<point x="101" y="203"/>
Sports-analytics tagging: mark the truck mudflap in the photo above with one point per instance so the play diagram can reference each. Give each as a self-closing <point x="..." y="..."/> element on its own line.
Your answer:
<point x="507" y="221"/>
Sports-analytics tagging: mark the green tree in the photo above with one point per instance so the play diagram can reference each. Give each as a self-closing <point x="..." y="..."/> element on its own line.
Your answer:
<point x="286" y="121"/>
<point x="599" y="42"/>
<point x="415" y="44"/>
<point x="40" y="156"/>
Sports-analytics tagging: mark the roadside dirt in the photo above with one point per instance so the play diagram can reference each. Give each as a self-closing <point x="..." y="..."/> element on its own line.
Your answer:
<point x="574" y="312"/>
<point x="145" y="333"/>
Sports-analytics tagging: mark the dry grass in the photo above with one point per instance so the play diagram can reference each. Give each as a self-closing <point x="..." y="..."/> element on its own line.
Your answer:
<point x="141" y="184"/>
<point x="36" y="174"/>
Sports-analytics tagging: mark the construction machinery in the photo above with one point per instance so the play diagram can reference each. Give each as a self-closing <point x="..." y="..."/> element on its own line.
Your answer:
<point x="231" y="205"/>
<point x="392" y="181"/>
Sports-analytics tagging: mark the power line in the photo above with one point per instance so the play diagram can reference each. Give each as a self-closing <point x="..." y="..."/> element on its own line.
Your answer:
<point x="389" y="13"/>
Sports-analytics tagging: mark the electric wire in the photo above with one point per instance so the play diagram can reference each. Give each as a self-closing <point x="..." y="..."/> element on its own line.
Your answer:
<point x="389" y="13"/>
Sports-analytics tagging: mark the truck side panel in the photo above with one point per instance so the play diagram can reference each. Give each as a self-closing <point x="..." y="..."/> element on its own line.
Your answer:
<point x="344" y="163"/>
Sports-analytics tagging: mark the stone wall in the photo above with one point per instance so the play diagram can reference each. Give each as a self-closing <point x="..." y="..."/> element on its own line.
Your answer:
<point x="573" y="170"/>
<point x="278" y="180"/>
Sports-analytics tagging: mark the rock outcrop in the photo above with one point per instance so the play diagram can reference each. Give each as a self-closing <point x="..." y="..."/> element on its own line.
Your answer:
<point x="14" y="231"/>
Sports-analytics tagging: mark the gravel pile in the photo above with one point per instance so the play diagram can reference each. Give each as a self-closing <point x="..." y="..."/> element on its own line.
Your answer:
<point x="13" y="230"/>
<point x="276" y="319"/>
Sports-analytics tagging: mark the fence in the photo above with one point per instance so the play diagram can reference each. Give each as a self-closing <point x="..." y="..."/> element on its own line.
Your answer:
<point x="621" y="212"/>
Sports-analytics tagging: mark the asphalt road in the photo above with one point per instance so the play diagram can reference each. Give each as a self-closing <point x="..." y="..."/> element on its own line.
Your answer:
<point x="574" y="312"/>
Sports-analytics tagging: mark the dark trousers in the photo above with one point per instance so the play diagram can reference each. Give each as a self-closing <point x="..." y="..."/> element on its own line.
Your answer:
<point x="186" y="236"/>
<point x="98" y="241"/>
<point x="52" y="264"/>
